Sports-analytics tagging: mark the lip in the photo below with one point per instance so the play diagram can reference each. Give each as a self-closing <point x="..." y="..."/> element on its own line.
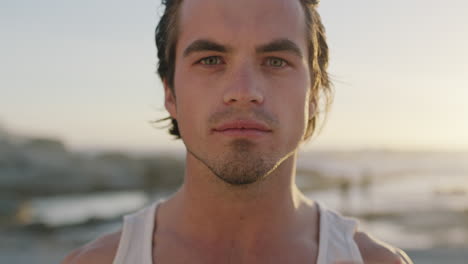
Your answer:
<point x="243" y="128"/>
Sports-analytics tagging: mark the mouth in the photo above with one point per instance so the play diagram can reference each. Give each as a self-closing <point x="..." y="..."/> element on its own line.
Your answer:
<point x="243" y="128"/>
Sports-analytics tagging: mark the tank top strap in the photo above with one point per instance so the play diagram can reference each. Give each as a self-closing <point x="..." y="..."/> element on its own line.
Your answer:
<point x="336" y="242"/>
<point x="136" y="240"/>
<point x="336" y="238"/>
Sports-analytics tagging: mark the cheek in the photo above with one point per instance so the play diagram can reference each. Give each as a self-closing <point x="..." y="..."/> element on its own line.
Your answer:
<point x="193" y="112"/>
<point x="291" y="101"/>
<point x="189" y="113"/>
<point x="297" y="116"/>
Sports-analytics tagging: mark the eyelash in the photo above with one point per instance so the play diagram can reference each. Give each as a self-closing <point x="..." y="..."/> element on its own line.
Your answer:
<point x="203" y="60"/>
<point x="283" y="62"/>
<point x="219" y="61"/>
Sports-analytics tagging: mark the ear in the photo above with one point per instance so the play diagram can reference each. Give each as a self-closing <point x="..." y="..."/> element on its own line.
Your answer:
<point x="169" y="100"/>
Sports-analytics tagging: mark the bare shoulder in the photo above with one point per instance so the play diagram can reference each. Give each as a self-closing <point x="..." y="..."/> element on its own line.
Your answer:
<point x="101" y="250"/>
<point x="374" y="251"/>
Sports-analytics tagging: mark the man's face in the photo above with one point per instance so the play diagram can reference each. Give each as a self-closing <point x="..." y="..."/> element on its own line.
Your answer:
<point x="241" y="84"/>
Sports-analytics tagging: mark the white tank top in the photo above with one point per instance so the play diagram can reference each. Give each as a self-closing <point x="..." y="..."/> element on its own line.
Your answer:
<point x="336" y="242"/>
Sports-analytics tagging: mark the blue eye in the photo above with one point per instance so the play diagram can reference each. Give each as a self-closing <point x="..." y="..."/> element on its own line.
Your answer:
<point x="276" y="62"/>
<point x="212" y="60"/>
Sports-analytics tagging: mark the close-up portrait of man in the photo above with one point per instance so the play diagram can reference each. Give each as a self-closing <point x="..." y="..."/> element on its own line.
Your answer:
<point x="243" y="81"/>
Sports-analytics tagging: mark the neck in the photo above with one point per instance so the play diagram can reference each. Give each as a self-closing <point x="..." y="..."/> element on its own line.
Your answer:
<point x="207" y="209"/>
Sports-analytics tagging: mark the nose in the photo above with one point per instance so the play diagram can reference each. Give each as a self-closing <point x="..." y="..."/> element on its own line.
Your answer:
<point x="244" y="87"/>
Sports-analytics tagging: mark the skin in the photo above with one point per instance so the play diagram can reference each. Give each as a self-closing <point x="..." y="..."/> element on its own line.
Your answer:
<point x="239" y="202"/>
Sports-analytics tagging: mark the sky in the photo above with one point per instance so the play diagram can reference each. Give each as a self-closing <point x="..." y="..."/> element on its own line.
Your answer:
<point x="84" y="72"/>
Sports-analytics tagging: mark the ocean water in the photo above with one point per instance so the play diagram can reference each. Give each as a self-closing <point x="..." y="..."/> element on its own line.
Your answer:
<point x="412" y="211"/>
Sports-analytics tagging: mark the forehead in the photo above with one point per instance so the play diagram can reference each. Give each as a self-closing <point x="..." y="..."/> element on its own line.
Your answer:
<point x="241" y="22"/>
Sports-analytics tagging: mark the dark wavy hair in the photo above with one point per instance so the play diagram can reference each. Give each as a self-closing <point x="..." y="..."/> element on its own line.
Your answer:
<point x="166" y="36"/>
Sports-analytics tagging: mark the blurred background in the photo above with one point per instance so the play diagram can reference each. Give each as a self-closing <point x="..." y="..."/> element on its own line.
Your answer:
<point x="78" y="92"/>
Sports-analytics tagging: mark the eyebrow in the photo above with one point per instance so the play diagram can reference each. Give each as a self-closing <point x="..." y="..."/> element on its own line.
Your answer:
<point x="205" y="45"/>
<point x="282" y="44"/>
